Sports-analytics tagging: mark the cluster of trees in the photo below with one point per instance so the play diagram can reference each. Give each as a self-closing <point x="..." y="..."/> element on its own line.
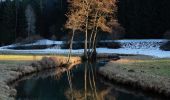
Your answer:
<point x="140" y="18"/>
<point x="90" y="17"/>
<point x="23" y="18"/>
<point x="8" y="20"/>
<point x="144" y="18"/>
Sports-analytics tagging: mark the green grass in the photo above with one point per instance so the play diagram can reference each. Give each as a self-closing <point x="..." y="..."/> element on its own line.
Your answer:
<point x="160" y="67"/>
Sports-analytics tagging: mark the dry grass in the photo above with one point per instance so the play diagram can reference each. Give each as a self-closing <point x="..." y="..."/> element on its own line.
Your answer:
<point x="157" y="67"/>
<point x="53" y="62"/>
<point x="20" y="57"/>
<point x="152" y="75"/>
<point x="14" y="67"/>
<point x="30" y="57"/>
<point x="126" y="61"/>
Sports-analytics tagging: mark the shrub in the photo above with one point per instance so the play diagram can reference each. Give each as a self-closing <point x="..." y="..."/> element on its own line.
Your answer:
<point x="50" y="62"/>
<point x="19" y="39"/>
<point x="112" y="45"/>
<point x="66" y="45"/>
<point x="53" y="37"/>
<point x="166" y="46"/>
<point x="31" y="39"/>
<point x="80" y="45"/>
<point x="118" y="31"/>
<point x="167" y="35"/>
<point x="44" y="64"/>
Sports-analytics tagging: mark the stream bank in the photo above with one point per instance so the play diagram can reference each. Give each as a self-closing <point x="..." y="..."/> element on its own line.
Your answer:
<point x="144" y="75"/>
<point x="15" y="70"/>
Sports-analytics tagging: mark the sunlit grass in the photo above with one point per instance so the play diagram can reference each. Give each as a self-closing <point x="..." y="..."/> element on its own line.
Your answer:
<point x="159" y="67"/>
<point x="20" y="57"/>
<point x="26" y="57"/>
<point x="127" y="61"/>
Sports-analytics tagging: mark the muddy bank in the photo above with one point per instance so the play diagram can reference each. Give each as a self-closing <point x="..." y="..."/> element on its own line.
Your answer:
<point x="136" y="79"/>
<point x="10" y="73"/>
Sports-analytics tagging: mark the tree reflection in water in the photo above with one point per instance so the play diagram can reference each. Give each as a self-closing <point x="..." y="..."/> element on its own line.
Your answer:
<point x="77" y="83"/>
<point x="90" y="91"/>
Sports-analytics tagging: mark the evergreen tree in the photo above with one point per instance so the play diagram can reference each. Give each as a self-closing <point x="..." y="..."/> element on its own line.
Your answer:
<point x="8" y="23"/>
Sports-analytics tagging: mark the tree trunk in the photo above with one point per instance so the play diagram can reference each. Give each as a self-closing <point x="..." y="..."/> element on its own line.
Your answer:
<point x="29" y="30"/>
<point x="16" y="19"/>
<point x="41" y="6"/>
<point x="71" y="45"/>
<point x="93" y="52"/>
<point x="85" y="43"/>
<point x="85" y="47"/>
<point x="92" y="33"/>
<point x="85" y="81"/>
<point x="90" y="42"/>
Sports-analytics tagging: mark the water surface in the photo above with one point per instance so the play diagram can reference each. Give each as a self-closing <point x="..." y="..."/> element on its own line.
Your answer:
<point x="80" y="83"/>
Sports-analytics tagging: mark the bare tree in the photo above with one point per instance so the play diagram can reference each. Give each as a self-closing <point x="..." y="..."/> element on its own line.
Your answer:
<point x="84" y="7"/>
<point x="30" y="17"/>
<point x="97" y="15"/>
<point x="75" y="21"/>
<point x="103" y="16"/>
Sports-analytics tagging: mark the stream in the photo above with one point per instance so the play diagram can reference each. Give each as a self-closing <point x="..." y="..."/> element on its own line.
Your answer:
<point x="80" y="83"/>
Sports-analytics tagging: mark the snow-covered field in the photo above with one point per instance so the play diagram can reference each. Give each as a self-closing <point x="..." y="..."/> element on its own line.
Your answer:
<point x="143" y="47"/>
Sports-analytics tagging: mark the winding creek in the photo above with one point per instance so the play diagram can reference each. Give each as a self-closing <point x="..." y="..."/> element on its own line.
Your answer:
<point x="80" y="83"/>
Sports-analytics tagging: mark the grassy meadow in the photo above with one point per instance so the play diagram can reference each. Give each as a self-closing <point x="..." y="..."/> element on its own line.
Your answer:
<point x="160" y="67"/>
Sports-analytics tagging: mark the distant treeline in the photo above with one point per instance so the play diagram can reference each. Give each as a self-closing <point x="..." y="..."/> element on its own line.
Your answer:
<point x="23" y="18"/>
<point x="144" y="18"/>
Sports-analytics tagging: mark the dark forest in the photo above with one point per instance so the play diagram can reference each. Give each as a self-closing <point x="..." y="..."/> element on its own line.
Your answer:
<point x="140" y="18"/>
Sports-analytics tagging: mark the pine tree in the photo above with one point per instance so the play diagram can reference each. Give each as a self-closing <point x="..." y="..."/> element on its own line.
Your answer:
<point x="8" y="22"/>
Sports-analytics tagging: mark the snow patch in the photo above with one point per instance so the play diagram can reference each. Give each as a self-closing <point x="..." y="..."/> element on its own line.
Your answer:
<point x="46" y="42"/>
<point x="142" y="47"/>
<point x="142" y="44"/>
